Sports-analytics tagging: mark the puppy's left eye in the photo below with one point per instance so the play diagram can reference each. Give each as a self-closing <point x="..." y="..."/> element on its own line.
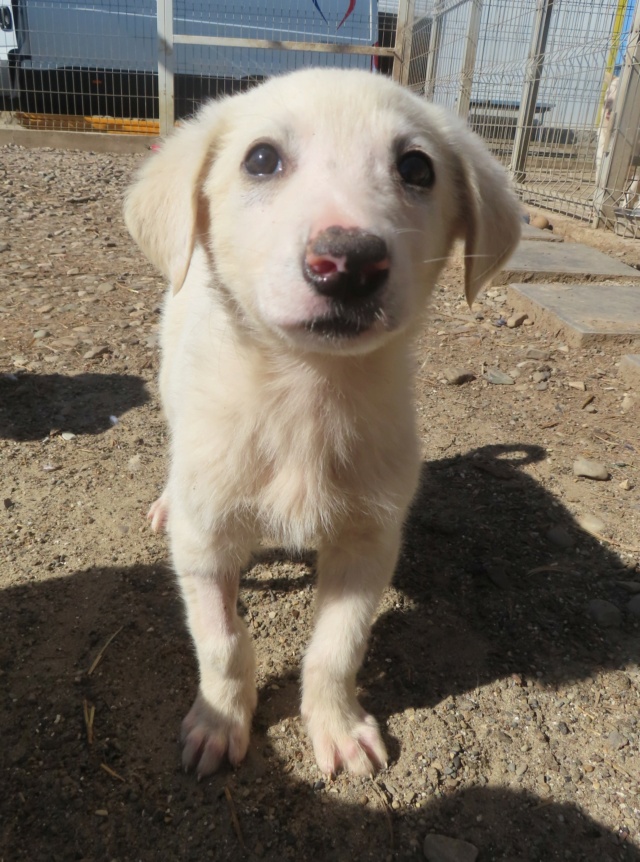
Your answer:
<point x="263" y="160"/>
<point x="416" y="169"/>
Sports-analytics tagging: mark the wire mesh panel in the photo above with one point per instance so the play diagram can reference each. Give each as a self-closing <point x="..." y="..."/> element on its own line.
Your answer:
<point x="530" y="76"/>
<point x="103" y="65"/>
<point x="224" y="46"/>
<point x="83" y="66"/>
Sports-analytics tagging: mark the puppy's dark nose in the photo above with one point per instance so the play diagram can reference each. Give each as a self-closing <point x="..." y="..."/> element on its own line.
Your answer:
<point x="346" y="264"/>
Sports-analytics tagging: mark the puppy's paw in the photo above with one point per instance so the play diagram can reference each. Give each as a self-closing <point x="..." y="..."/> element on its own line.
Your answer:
<point x="350" y="742"/>
<point x="208" y="734"/>
<point x="158" y="513"/>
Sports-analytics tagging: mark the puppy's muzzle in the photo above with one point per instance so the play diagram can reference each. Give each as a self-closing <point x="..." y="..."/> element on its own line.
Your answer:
<point x="347" y="265"/>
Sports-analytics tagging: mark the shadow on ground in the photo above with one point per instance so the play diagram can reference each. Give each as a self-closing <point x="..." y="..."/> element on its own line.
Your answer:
<point x="485" y="595"/>
<point x="34" y="405"/>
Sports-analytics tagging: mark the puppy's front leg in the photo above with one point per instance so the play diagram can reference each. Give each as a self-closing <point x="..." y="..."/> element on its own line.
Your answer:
<point x="352" y="575"/>
<point x="219" y="721"/>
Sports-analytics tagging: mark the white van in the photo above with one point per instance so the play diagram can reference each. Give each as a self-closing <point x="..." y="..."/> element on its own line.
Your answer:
<point x="75" y="57"/>
<point x="8" y="49"/>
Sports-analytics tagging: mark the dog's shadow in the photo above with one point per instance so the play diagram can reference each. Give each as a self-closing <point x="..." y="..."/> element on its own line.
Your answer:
<point x="482" y="592"/>
<point x="34" y="405"/>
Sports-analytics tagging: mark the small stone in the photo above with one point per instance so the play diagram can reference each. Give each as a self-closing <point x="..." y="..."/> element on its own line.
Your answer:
<point x="499" y="378"/>
<point x="591" y="408"/>
<point x="629" y="586"/>
<point x="560" y="537"/>
<point x="134" y="464"/>
<point x="541" y="222"/>
<point x="633" y="606"/>
<point x="41" y="333"/>
<point x="68" y="435"/>
<point x="94" y="352"/>
<point x="441" y="848"/>
<point x="580" y="385"/>
<point x="105" y="288"/>
<point x="101" y="812"/>
<point x="536" y="353"/>
<point x="625" y="485"/>
<point x="521" y="768"/>
<point x="604" y="613"/>
<point x="540" y="376"/>
<point x="591" y="524"/>
<point x="319" y="785"/>
<point x="457" y="376"/>
<point x="628" y="403"/>
<point x="590" y="469"/>
<point x="497" y="575"/>
<point x="516" y="320"/>
<point x="44" y="309"/>
<point x="616" y="741"/>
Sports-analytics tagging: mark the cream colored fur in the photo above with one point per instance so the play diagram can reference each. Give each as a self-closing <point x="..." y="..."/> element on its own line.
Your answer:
<point x="278" y="430"/>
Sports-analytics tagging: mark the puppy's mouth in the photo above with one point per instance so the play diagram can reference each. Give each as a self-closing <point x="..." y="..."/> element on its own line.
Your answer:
<point x="349" y="323"/>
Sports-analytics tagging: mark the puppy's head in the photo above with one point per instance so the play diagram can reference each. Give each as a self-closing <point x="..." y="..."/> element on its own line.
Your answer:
<point x="326" y="203"/>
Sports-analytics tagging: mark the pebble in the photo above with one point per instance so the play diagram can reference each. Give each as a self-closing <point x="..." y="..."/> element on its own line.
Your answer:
<point x="106" y="288"/>
<point x="457" y="376"/>
<point x="516" y="320"/>
<point x="633" y="606"/>
<point x="560" y="537"/>
<point x="625" y="485"/>
<point x="499" y="378"/>
<point x="94" y="352"/>
<point x="591" y="524"/>
<point x="536" y="353"/>
<point x="604" y="613"/>
<point x="629" y="586"/>
<point x="616" y="740"/>
<point x="441" y="848"/>
<point x="628" y="403"/>
<point x="580" y="385"/>
<point x="590" y="469"/>
<point x="41" y="333"/>
<point x="540" y="376"/>
<point x="541" y="222"/>
<point x="134" y="464"/>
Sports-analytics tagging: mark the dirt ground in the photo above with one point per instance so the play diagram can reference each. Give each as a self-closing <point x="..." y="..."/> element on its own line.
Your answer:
<point x="507" y="698"/>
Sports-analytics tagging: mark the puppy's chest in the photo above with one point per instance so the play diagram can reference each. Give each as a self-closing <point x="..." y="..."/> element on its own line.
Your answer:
<point x="310" y="478"/>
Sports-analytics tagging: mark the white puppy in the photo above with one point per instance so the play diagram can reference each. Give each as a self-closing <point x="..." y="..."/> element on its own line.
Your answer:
<point x="302" y="226"/>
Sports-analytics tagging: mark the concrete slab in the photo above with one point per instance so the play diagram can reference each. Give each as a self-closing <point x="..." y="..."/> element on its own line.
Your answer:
<point x="566" y="261"/>
<point x="583" y="314"/>
<point x="534" y="234"/>
<point x="630" y="369"/>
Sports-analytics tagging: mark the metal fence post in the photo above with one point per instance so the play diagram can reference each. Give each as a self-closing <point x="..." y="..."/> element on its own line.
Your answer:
<point x="166" y="66"/>
<point x="613" y="176"/>
<point x="402" y="48"/>
<point x="526" y="114"/>
<point x="435" y="38"/>
<point x="469" y="63"/>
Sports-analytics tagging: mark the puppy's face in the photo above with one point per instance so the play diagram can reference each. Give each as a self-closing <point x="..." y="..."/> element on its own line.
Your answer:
<point x="327" y="203"/>
<point x="330" y="213"/>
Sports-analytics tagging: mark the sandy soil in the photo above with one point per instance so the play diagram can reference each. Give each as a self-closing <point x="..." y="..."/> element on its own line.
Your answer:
<point x="508" y="700"/>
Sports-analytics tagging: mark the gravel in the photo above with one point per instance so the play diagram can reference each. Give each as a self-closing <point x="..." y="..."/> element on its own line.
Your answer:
<point x="484" y="652"/>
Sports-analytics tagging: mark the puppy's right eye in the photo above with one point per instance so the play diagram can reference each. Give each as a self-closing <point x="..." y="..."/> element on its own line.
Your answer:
<point x="263" y="160"/>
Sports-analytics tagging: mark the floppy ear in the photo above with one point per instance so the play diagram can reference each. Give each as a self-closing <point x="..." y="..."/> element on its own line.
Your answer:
<point x="490" y="215"/>
<point x="161" y="208"/>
